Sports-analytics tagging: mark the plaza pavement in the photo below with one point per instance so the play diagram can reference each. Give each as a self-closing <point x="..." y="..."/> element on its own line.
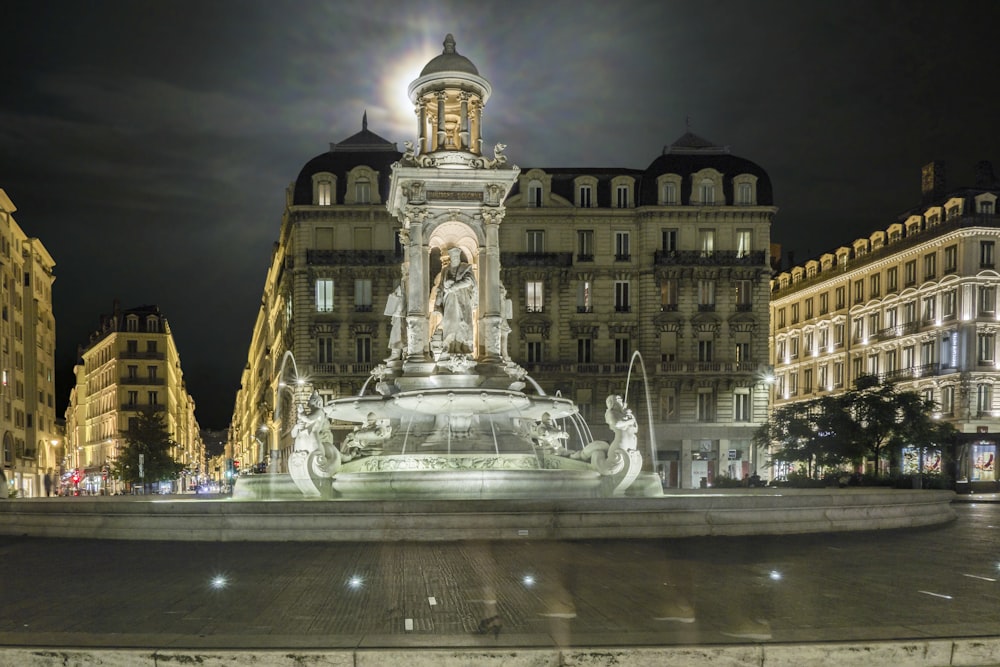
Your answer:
<point x="930" y="595"/>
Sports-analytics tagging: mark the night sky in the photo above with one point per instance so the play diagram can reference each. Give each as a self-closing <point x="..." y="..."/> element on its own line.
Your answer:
<point x="149" y="144"/>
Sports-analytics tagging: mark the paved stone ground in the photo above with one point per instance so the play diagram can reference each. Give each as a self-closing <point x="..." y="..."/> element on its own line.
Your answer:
<point x="931" y="582"/>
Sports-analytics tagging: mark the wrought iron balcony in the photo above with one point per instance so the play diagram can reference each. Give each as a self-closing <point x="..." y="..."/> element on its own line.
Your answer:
<point x="554" y="259"/>
<point x="352" y="257"/>
<point x="714" y="258"/>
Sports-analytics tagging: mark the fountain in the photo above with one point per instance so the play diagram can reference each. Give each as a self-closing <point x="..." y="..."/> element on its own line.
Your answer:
<point x="449" y="416"/>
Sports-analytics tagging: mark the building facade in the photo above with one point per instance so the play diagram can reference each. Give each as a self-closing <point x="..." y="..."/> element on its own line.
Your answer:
<point x="670" y="261"/>
<point x="914" y="303"/>
<point x="129" y="364"/>
<point x="31" y="439"/>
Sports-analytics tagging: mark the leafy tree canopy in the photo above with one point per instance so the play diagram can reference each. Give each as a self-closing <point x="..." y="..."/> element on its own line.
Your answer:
<point x="149" y="437"/>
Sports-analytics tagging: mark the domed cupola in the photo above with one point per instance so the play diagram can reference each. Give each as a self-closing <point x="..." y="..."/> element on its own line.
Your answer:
<point x="449" y="97"/>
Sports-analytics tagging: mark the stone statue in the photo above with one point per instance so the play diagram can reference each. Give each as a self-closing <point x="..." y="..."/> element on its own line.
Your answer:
<point x="620" y="460"/>
<point x="506" y="313"/>
<point x="622" y="422"/>
<point x="456" y="299"/>
<point x="549" y="437"/>
<point x="366" y="439"/>
<point x="311" y="431"/>
<point x="394" y="309"/>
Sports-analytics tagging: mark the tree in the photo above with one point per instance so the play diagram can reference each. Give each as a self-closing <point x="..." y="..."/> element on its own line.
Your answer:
<point x="147" y="436"/>
<point x="864" y="422"/>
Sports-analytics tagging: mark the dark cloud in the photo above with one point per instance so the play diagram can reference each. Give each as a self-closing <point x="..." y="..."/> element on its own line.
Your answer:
<point x="148" y="144"/>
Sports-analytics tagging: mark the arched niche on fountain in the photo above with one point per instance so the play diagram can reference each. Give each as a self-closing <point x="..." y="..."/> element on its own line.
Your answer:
<point x="442" y="237"/>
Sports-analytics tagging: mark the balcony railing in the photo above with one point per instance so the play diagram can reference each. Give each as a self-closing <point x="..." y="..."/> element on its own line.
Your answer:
<point x="140" y="407"/>
<point x="556" y="259"/>
<point x="351" y="257"/>
<point x="898" y="330"/>
<point x="912" y="373"/>
<point x="135" y="354"/>
<point x="714" y="258"/>
<point x="145" y="381"/>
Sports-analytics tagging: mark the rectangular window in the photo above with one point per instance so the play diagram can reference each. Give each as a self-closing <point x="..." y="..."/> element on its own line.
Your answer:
<point x="151" y="374"/>
<point x="584" y="297"/>
<point x="890" y="318"/>
<point x="910" y="273"/>
<point x="324" y="193"/>
<point x="873" y="324"/>
<point x="706" y="406"/>
<point x="822" y="382"/>
<point x="668" y="294"/>
<point x="859" y="291"/>
<point x="622" y="303"/>
<point x="533" y="296"/>
<point x="324" y="350"/>
<point x="706" y="242"/>
<point x="838" y="334"/>
<point x="154" y="397"/>
<point x="951" y="259"/>
<point x="949" y="304"/>
<point x="362" y="192"/>
<point x="586" y="196"/>
<point x="621" y="196"/>
<point x="363" y="295"/>
<point x="987" y="345"/>
<point x="324" y="295"/>
<point x="927" y="353"/>
<point x="807" y="381"/>
<point x="741" y="405"/>
<point x="668" y="240"/>
<point x="584" y="351"/>
<point x="930" y="266"/>
<point x="744" y="295"/>
<point x="841" y="296"/>
<point x="623" y="350"/>
<point x="743" y="237"/>
<point x="892" y="279"/>
<point x="133" y="372"/>
<point x="838" y="374"/>
<point x="824" y="337"/>
<point x="986" y="254"/>
<point x="743" y="353"/>
<point x="535" y="241"/>
<point x="875" y="286"/>
<point x="930" y="308"/>
<point x="909" y="357"/>
<point x="133" y="398"/>
<point x="984" y="399"/>
<point x="535" y="194"/>
<point x="622" y="250"/>
<point x="669" y="193"/>
<point x="809" y="309"/>
<point x="706" y="351"/>
<point x="585" y="245"/>
<point x="824" y="303"/>
<point x="744" y="194"/>
<point x="987" y="300"/>
<point x="363" y="349"/>
<point x="947" y="399"/>
<point x="909" y="312"/>
<point x="706" y="295"/>
<point x="534" y="351"/>
<point x="795" y="313"/>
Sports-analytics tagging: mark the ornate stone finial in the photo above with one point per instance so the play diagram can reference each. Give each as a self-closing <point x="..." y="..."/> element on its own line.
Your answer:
<point x="449" y="44"/>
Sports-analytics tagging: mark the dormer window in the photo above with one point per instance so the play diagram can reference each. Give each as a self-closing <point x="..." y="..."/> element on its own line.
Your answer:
<point x="585" y="196"/>
<point x="669" y="193"/>
<point x="706" y="192"/>
<point x="131" y="323"/>
<point x="986" y="208"/>
<point x="152" y="324"/>
<point x="535" y="194"/>
<point x="362" y="192"/>
<point x="324" y="186"/>
<point x="621" y="196"/>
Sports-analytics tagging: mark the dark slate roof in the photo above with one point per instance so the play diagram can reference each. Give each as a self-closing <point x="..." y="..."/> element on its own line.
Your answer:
<point x="364" y="148"/>
<point x="450" y="60"/>
<point x="690" y="154"/>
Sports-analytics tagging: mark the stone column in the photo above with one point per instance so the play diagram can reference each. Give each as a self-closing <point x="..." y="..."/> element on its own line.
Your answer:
<point x="417" y="288"/>
<point x="490" y="307"/>
<point x="442" y="137"/>
<point x="463" y="128"/>
<point x="422" y="126"/>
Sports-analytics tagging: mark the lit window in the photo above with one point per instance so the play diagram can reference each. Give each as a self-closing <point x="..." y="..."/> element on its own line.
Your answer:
<point x="706" y="242"/>
<point x="324" y="295"/>
<point x="324" y="193"/>
<point x="743" y="237"/>
<point x="533" y="298"/>
<point x="584" y="302"/>
<point x="987" y="345"/>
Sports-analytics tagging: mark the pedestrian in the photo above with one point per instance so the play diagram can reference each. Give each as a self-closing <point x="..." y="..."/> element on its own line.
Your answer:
<point x="4" y="491"/>
<point x="47" y="481"/>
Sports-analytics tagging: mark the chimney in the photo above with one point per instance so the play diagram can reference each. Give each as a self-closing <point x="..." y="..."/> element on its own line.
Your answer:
<point x="932" y="181"/>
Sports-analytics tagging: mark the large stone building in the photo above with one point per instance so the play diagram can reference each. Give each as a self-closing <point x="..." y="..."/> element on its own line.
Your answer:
<point x="31" y="440"/>
<point x="129" y="364"/>
<point x="914" y="303"/>
<point x="671" y="261"/>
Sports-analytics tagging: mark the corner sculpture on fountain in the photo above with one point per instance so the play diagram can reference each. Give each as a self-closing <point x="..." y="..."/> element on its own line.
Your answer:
<point x="449" y="416"/>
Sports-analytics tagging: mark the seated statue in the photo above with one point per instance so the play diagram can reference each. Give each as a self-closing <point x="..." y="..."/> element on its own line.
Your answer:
<point x="548" y="436"/>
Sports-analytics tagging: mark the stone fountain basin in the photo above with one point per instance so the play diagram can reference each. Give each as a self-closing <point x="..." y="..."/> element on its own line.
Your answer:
<point x="450" y="401"/>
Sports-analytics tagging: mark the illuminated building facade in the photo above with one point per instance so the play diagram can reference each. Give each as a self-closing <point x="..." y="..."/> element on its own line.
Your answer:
<point x="671" y="261"/>
<point x="915" y="304"/>
<point x="30" y="439"/>
<point x="129" y="364"/>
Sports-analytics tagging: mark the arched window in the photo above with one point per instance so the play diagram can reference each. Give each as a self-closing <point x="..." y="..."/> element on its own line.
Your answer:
<point x="670" y="193"/>
<point x="707" y="191"/>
